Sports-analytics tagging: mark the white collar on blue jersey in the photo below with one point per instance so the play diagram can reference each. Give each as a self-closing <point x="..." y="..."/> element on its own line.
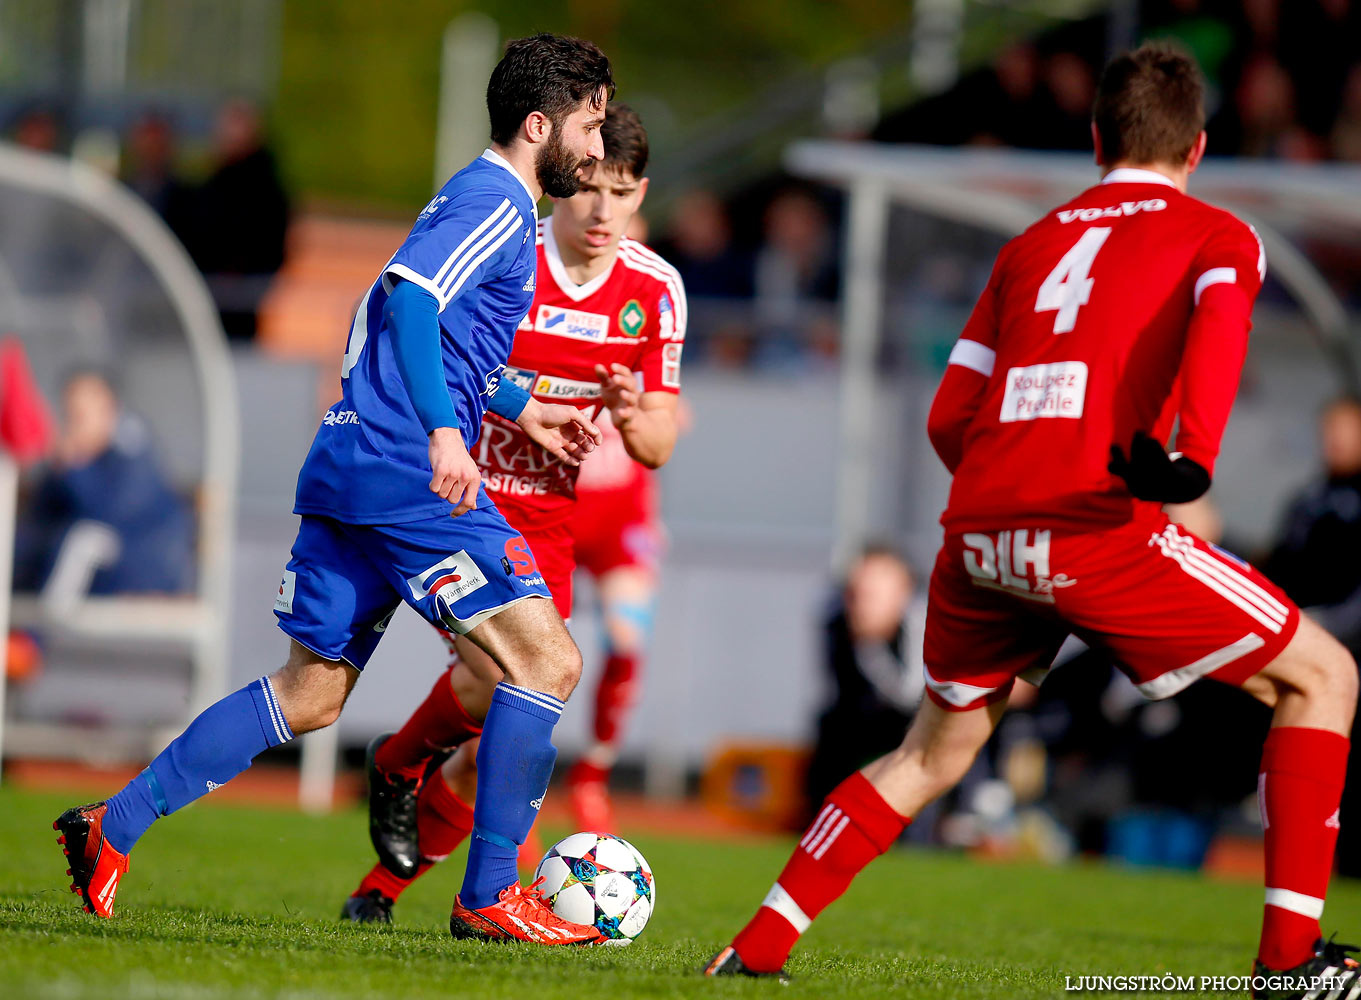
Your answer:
<point x="1134" y="175"/>
<point x="493" y="156"/>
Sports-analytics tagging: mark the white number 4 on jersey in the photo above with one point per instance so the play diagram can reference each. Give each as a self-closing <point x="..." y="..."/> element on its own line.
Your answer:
<point x="1068" y="288"/>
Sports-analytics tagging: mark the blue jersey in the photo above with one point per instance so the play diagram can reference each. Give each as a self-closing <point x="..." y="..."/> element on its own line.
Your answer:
<point x="472" y="248"/>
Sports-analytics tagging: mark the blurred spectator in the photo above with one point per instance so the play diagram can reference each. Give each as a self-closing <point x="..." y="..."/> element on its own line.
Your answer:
<point x="103" y="471"/>
<point x="38" y="129"/>
<point x="1318" y="40"/>
<point x="1323" y="521"/>
<point x="240" y="219"/>
<point x="717" y="275"/>
<point x="1070" y="88"/>
<point x="1007" y="99"/>
<point x="700" y="247"/>
<point x="1346" y="137"/>
<point x="872" y="642"/>
<point x="1201" y="30"/>
<point x="1265" y="101"/>
<point x="796" y="279"/>
<point x="150" y="171"/>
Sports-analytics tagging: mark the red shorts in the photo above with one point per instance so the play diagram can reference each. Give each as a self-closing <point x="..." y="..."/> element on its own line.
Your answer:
<point x="1166" y="607"/>
<point x="615" y="529"/>
<point x="551" y="544"/>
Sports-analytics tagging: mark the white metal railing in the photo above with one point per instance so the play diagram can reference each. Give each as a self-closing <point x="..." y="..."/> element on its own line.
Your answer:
<point x="199" y="622"/>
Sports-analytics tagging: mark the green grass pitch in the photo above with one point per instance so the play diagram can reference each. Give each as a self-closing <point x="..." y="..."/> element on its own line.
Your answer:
<point x="224" y="901"/>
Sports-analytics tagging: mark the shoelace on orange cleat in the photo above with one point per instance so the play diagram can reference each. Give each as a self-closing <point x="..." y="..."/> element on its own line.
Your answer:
<point x="532" y="904"/>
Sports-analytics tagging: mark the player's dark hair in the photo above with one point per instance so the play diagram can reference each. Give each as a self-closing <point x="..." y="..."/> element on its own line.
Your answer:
<point x="1150" y="106"/>
<point x="552" y="74"/>
<point x="625" y="140"/>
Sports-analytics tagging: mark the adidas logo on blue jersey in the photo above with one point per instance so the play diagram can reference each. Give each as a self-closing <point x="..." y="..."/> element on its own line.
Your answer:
<point x="529" y="285"/>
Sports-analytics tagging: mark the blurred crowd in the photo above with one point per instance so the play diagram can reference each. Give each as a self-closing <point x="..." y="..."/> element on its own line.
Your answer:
<point x="762" y="266"/>
<point x="1284" y="81"/>
<point x="232" y="216"/>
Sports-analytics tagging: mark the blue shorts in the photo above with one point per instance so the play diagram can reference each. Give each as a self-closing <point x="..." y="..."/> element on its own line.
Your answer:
<point x="344" y="581"/>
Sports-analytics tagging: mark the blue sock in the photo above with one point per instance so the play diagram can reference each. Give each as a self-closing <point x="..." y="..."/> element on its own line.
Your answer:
<point x="514" y="763"/>
<point x="217" y="746"/>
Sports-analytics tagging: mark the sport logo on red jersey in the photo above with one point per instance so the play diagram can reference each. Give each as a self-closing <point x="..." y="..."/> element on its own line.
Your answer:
<point x="450" y="580"/>
<point x="565" y="388"/>
<point x="573" y="323"/>
<point x="1057" y="389"/>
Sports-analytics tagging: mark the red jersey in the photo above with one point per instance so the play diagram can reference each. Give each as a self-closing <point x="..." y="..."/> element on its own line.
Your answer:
<point x="632" y="314"/>
<point x="610" y="468"/>
<point x="1123" y="310"/>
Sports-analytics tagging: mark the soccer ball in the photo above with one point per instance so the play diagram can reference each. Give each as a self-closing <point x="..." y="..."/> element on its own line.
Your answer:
<point x="594" y="878"/>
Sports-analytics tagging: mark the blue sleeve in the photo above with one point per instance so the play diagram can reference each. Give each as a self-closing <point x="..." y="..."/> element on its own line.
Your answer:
<point x="472" y="236"/>
<point x="509" y="400"/>
<point x="413" y="321"/>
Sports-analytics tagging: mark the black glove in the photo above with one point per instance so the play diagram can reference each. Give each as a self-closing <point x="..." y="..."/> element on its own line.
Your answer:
<point x="1152" y="474"/>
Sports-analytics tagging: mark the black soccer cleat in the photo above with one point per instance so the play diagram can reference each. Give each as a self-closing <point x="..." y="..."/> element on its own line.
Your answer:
<point x="392" y="815"/>
<point x="1331" y="972"/>
<point x="371" y="908"/>
<point x="728" y="963"/>
<point x="95" y="867"/>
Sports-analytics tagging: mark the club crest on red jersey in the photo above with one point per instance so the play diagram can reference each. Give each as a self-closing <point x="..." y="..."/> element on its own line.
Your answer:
<point x="631" y="318"/>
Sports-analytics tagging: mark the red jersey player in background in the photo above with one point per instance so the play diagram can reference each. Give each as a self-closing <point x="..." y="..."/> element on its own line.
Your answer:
<point x="1105" y="321"/>
<point x="605" y="333"/>
<point x="619" y="540"/>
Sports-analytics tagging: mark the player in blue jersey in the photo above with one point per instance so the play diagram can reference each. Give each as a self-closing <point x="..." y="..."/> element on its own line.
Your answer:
<point x="429" y="340"/>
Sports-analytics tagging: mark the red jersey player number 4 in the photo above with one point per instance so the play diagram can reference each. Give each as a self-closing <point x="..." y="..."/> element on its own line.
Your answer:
<point x="1109" y="319"/>
<point x="1115" y="314"/>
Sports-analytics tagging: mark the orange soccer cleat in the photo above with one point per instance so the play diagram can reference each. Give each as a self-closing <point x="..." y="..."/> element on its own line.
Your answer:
<point x="95" y="866"/>
<point x="519" y="914"/>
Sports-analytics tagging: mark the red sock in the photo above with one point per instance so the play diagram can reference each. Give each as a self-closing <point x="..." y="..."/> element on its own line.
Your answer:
<point x="390" y="885"/>
<point x="438" y="723"/>
<point x="1299" y="789"/>
<point x="443" y="820"/>
<point x="614" y="696"/>
<point x="854" y="826"/>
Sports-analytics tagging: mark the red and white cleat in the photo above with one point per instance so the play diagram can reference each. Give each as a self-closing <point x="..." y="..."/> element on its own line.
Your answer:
<point x="519" y="914"/>
<point x="95" y="866"/>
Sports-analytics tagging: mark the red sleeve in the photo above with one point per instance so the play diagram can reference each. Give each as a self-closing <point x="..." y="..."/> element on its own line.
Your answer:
<point x="966" y="377"/>
<point x="1229" y="273"/>
<point x="660" y="362"/>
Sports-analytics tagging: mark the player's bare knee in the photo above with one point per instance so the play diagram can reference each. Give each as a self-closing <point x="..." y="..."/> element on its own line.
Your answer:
<point x="1339" y="669"/>
<point x="312" y="691"/>
<point x="564" y="672"/>
<point x="554" y="669"/>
